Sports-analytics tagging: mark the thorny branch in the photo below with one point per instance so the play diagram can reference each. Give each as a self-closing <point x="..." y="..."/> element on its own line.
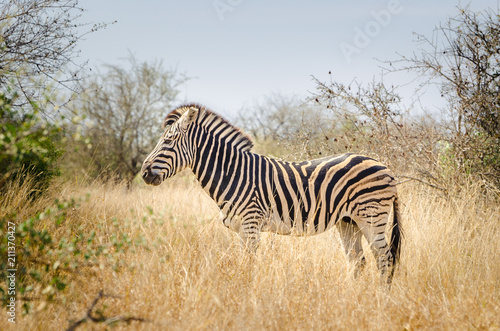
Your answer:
<point x="89" y="316"/>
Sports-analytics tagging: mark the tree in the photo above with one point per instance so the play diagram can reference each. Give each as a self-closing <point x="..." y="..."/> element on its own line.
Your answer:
<point x="38" y="52"/>
<point x="371" y="119"/>
<point x="279" y="117"/>
<point x="463" y="58"/>
<point x="123" y="113"/>
<point x="37" y="57"/>
<point x="274" y="118"/>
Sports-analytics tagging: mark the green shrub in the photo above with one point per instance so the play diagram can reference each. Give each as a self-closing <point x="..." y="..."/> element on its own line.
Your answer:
<point x="27" y="144"/>
<point x="50" y="252"/>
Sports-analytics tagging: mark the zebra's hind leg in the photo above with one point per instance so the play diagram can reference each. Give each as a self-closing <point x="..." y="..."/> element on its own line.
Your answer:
<point x="374" y="232"/>
<point x="350" y="234"/>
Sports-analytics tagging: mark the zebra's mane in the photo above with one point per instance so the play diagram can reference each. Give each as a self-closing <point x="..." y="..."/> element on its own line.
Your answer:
<point x="210" y="120"/>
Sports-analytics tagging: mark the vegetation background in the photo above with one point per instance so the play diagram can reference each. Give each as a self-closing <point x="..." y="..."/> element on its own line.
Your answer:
<point x="96" y="248"/>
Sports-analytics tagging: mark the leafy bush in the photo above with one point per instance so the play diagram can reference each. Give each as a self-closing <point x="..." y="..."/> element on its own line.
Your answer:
<point x="27" y="144"/>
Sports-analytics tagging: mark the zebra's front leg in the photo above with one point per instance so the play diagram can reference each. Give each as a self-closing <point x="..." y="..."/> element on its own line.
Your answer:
<point x="250" y="234"/>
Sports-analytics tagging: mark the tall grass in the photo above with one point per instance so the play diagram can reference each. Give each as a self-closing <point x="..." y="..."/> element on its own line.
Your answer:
<point x="193" y="274"/>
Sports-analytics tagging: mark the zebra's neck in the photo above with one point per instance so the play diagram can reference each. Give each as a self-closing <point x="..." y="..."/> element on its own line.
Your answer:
<point x="220" y="167"/>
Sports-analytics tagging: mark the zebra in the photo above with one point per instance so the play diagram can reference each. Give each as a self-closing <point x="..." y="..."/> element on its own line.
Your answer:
<point x="256" y="193"/>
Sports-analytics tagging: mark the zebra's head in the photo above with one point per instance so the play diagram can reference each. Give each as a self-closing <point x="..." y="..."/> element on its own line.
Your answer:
<point x="172" y="153"/>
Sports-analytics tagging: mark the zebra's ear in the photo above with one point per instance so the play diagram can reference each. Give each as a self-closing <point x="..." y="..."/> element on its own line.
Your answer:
<point x="189" y="116"/>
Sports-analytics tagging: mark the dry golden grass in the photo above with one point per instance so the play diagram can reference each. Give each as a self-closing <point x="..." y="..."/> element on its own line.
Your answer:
<point x="195" y="276"/>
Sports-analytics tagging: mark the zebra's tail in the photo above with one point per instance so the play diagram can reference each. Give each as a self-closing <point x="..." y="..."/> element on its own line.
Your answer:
<point x="397" y="233"/>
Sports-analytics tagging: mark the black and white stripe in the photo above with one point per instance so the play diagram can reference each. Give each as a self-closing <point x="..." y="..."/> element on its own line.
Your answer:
<point x="256" y="193"/>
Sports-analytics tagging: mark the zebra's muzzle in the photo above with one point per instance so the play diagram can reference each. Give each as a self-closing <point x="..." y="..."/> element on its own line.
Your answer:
<point x="149" y="177"/>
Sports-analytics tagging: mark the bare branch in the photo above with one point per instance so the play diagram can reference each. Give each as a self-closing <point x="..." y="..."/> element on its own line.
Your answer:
<point x="38" y="42"/>
<point x="89" y="316"/>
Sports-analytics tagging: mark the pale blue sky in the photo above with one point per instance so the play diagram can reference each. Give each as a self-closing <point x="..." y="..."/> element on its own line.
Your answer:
<point x="238" y="51"/>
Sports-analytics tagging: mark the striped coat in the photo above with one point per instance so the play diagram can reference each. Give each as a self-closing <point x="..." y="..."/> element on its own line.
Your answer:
<point x="256" y="193"/>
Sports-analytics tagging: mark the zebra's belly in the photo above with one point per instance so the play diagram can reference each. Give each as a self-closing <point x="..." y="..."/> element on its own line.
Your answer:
<point x="270" y="224"/>
<point x="275" y="224"/>
<point x="298" y="226"/>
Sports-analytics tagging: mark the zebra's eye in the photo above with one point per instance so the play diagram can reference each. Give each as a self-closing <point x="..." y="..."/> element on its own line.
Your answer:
<point x="171" y="137"/>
